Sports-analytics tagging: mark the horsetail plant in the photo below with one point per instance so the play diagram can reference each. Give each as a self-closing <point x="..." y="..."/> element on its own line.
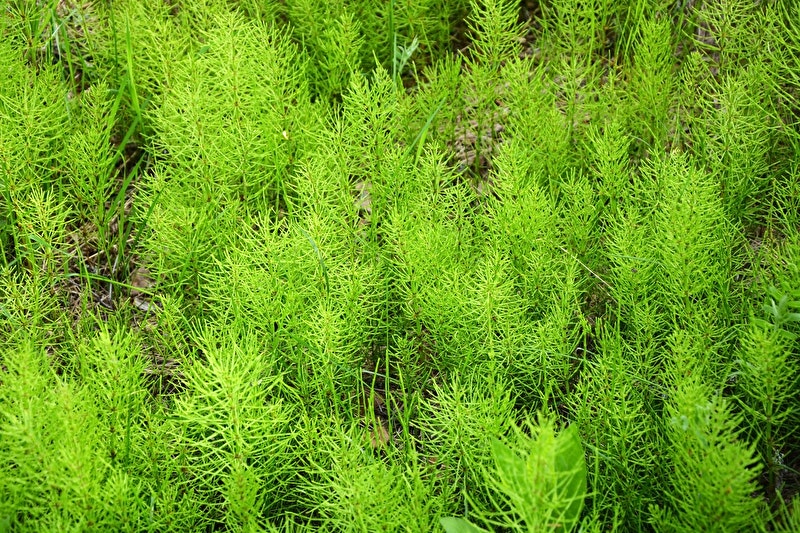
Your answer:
<point x="399" y="266"/>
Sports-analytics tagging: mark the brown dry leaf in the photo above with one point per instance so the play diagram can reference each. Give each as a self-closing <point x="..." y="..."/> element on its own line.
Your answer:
<point x="140" y="282"/>
<point x="379" y="436"/>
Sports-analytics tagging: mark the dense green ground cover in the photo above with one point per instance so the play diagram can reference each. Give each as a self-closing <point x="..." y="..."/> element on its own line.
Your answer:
<point x="391" y="266"/>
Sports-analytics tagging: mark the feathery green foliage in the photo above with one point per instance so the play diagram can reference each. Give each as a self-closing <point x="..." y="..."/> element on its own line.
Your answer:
<point x="399" y="266"/>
